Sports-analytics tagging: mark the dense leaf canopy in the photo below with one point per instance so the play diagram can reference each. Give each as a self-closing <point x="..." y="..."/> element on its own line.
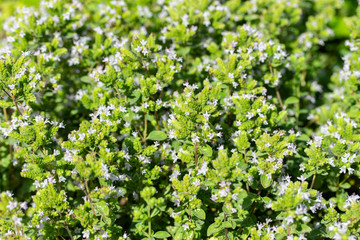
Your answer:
<point x="180" y="119"/>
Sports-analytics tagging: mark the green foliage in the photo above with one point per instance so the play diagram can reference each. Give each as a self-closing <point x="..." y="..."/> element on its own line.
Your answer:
<point x="183" y="119"/>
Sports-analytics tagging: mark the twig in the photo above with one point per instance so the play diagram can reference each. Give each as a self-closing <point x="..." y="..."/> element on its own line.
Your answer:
<point x="137" y="130"/>
<point x="246" y="183"/>
<point x="254" y="204"/>
<point x="118" y="93"/>
<point x="14" y="101"/>
<point x="66" y="227"/>
<point x="5" y="114"/>
<point x="279" y="97"/>
<point x="157" y="121"/>
<point x="313" y="181"/>
<point x="68" y="230"/>
<point x="60" y="236"/>
<point x="196" y="158"/>
<point x="278" y="93"/>
<point x="88" y="195"/>
<point x="281" y="103"/>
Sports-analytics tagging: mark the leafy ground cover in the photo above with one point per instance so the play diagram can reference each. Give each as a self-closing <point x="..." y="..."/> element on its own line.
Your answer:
<point x="180" y="119"/>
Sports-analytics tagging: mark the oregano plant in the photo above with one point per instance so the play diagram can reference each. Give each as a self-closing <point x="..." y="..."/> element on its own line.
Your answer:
<point x="180" y="119"/>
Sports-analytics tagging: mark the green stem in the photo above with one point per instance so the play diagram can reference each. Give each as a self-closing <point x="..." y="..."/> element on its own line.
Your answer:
<point x="118" y="93"/>
<point x="157" y="121"/>
<point x="88" y="195"/>
<point x="226" y="231"/>
<point x="246" y="183"/>
<point x="344" y="180"/>
<point x="145" y="128"/>
<point x="5" y="114"/>
<point x="189" y="210"/>
<point x="255" y="202"/>
<point x="137" y="130"/>
<point x="297" y="113"/>
<point x="196" y="157"/>
<point x="149" y="221"/>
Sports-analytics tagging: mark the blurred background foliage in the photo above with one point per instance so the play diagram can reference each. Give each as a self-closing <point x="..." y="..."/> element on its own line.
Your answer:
<point x="7" y="7"/>
<point x="338" y="25"/>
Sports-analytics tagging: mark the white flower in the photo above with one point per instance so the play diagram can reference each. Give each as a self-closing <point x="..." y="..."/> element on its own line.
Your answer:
<point x="185" y="226"/>
<point x="203" y="169"/>
<point x="207" y="115"/>
<point x="86" y="234"/>
<point x="195" y="138"/>
<point x="62" y="179"/>
<point x="289" y="219"/>
<point x="302" y="178"/>
<point x="11" y="86"/>
<point x="223" y="192"/>
<point x="125" y="236"/>
<point x="235" y="197"/>
<point x="143" y="42"/>
<point x="145" y="51"/>
<point x="175" y="174"/>
<point x="11" y="205"/>
<point x="250" y="115"/>
<point x="17" y="220"/>
<point x="105" y="235"/>
<point x="172" y="134"/>
<point x="37" y="76"/>
<point x="211" y="135"/>
<point x="91" y="131"/>
<point x="145" y="105"/>
<point x="23" y="205"/>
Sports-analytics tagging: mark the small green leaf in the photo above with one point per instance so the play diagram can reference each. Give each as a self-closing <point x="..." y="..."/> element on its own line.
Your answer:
<point x="4" y="104"/>
<point x="101" y="209"/>
<point x="86" y="79"/>
<point x="199" y="213"/>
<point x="107" y="220"/>
<point x="266" y="199"/>
<point x="155" y="212"/>
<point x="162" y="234"/>
<point x="291" y="100"/>
<point x="265" y="181"/>
<point x="136" y="95"/>
<point x="242" y="165"/>
<point x="305" y="228"/>
<point x="233" y="224"/>
<point x="60" y="51"/>
<point x="157" y="136"/>
<point x="213" y="228"/>
<point x="303" y="137"/>
<point x="281" y="115"/>
<point x="345" y="185"/>
<point x="226" y="224"/>
<point x="206" y="150"/>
